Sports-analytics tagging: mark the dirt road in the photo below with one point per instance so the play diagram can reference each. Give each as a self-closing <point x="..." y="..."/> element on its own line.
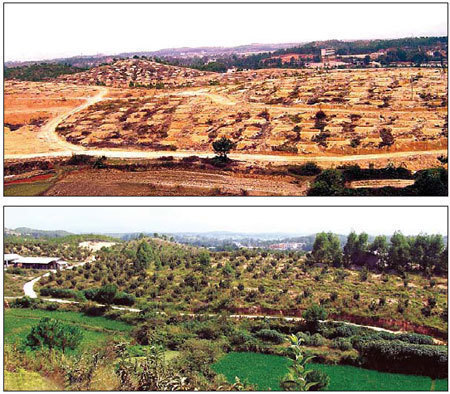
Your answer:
<point x="274" y="159"/>
<point x="48" y="131"/>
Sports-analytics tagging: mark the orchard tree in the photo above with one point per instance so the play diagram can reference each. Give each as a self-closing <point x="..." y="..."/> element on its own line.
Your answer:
<point x="106" y="294"/>
<point x="425" y="251"/>
<point x="53" y="334"/>
<point x="204" y="258"/>
<point x="349" y="248"/>
<point x="222" y="147"/>
<point x="313" y="315"/>
<point x="442" y="264"/>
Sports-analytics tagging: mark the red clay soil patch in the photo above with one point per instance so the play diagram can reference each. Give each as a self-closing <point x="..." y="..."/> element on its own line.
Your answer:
<point x="32" y="179"/>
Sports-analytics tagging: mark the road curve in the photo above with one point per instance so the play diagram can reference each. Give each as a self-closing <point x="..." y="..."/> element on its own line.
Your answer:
<point x="274" y="159"/>
<point x="48" y="131"/>
<point x="28" y="288"/>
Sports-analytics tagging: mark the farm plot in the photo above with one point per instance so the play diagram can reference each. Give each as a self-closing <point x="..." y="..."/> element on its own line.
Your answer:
<point x="265" y="371"/>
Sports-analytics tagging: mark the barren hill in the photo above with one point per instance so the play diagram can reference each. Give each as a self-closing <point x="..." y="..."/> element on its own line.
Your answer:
<point x="139" y="72"/>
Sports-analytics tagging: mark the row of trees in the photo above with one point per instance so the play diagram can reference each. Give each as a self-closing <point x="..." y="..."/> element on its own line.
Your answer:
<point x="424" y="253"/>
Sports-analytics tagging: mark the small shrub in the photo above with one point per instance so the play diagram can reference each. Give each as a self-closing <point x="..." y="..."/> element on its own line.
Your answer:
<point x="24" y="302"/>
<point x="91" y="309"/>
<point x="342" y="344"/>
<point x="317" y="340"/>
<point x="308" y="169"/>
<point x="320" y="378"/>
<point x="270" y="336"/>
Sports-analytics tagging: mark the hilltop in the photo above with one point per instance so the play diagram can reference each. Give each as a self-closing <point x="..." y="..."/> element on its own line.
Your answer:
<point x="138" y="72"/>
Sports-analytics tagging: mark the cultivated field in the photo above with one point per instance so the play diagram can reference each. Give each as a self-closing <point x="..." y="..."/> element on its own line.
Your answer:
<point x="266" y="370"/>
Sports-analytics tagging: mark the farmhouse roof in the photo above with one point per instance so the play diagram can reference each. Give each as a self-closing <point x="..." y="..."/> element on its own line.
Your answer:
<point x="11" y="256"/>
<point x="39" y="260"/>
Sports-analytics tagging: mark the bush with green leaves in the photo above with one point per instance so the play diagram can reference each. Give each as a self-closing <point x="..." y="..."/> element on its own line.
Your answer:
<point x="344" y="330"/>
<point x="24" y="302"/>
<point x="309" y="168"/>
<point x="342" y="344"/>
<point x="54" y="334"/>
<point x="60" y="293"/>
<point x="401" y="357"/>
<point x="108" y="294"/>
<point x="316" y="340"/>
<point x="313" y="316"/>
<point x="320" y="379"/>
<point x="92" y="309"/>
<point x="270" y="336"/>
<point x="419" y="339"/>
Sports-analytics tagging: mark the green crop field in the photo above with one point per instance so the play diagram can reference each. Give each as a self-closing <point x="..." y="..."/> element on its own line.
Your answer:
<point x="265" y="371"/>
<point x="18" y="323"/>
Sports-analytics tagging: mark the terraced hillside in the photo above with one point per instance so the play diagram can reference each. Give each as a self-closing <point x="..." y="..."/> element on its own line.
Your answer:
<point x="136" y="109"/>
<point x="345" y="112"/>
<point x="138" y="72"/>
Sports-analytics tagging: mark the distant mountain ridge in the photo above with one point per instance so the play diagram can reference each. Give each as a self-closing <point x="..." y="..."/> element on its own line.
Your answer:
<point x="26" y="231"/>
<point x="182" y="52"/>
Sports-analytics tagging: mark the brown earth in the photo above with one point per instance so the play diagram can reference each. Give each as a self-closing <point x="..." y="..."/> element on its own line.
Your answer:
<point x="276" y="117"/>
<point x="377" y="183"/>
<point x="174" y="182"/>
<point x="30" y="106"/>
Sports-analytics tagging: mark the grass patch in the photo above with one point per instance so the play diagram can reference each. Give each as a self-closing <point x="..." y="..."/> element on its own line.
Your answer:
<point x="27" y="381"/>
<point x="13" y="284"/>
<point x="266" y="371"/>
<point x="27" y="189"/>
<point x="18" y="323"/>
<point x="261" y="369"/>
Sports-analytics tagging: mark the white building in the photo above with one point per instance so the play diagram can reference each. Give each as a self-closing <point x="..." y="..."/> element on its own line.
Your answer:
<point x="9" y="259"/>
<point x="46" y="263"/>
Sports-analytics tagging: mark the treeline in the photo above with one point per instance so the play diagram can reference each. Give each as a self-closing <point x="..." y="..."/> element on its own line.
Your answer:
<point x="422" y="253"/>
<point x="40" y="72"/>
<point x="402" y="49"/>
<point x="367" y="46"/>
<point x="14" y="240"/>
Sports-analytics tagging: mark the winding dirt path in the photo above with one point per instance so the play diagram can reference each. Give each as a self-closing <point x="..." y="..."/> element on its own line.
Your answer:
<point x="48" y="131"/>
<point x="29" y="291"/>
<point x="67" y="149"/>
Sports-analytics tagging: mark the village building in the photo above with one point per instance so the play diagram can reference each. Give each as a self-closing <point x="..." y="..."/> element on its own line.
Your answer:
<point x="47" y="263"/>
<point x="9" y="258"/>
<point x="328" y="55"/>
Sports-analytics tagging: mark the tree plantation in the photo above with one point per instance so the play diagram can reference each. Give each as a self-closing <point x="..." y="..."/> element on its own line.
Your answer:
<point x="153" y="314"/>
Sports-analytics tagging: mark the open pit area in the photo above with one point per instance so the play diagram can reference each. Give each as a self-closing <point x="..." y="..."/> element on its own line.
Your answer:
<point x="143" y="110"/>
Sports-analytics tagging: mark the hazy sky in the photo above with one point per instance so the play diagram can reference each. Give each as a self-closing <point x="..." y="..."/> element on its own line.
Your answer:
<point x="299" y="220"/>
<point x="44" y="31"/>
